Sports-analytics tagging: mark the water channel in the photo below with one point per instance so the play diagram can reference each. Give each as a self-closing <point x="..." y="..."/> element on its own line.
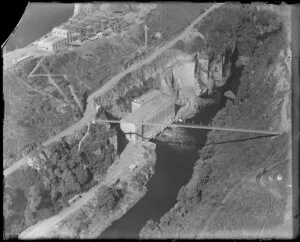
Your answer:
<point x="174" y="166"/>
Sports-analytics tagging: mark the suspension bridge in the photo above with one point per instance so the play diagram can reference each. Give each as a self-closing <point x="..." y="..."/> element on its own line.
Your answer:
<point x="195" y="126"/>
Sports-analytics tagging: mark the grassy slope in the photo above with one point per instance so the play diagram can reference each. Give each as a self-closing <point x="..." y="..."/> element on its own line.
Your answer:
<point x="34" y="118"/>
<point x="30" y="116"/>
<point x="231" y="156"/>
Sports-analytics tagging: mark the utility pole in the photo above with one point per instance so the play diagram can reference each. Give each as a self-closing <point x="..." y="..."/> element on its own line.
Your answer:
<point x="146" y="35"/>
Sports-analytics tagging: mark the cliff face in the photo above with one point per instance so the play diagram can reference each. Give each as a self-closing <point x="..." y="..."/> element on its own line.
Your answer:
<point x="223" y="198"/>
<point x="174" y="73"/>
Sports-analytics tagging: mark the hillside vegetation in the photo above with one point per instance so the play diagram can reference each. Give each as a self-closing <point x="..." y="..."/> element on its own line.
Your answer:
<point x="229" y="158"/>
<point x="38" y="107"/>
<point x="45" y="95"/>
<point x="58" y="172"/>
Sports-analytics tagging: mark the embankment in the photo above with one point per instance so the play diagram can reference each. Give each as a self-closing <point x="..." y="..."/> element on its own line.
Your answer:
<point x="121" y="188"/>
<point x="229" y="159"/>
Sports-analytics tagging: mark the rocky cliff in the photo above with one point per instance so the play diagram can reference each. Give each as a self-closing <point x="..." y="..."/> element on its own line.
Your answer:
<point x="224" y="199"/>
<point x="187" y="76"/>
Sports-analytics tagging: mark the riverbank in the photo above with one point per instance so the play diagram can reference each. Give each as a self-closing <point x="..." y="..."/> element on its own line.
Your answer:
<point x="94" y="213"/>
<point x="173" y="169"/>
<point x="222" y="199"/>
<point x="37" y="20"/>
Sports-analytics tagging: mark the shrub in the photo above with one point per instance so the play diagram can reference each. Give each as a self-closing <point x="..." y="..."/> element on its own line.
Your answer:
<point x="206" y="152"/>
<point x="108" y="198"/>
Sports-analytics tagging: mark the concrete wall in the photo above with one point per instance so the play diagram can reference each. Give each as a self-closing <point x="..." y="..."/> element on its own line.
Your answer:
<point x="62" y="33"/>
<point x="60" y="45"/>
<point x="129" y="128"/>
<point x="164" y="116"/>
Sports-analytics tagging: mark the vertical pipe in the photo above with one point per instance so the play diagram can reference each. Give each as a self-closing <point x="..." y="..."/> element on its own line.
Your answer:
<point x="142" y="132"/>
<point x="146" y="35"/>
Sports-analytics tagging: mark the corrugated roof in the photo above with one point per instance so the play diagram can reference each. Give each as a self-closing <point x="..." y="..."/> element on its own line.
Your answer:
<point x="148" y="109"/>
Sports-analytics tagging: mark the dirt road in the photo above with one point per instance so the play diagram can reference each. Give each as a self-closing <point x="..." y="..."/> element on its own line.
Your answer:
<point x="90" y="110"/>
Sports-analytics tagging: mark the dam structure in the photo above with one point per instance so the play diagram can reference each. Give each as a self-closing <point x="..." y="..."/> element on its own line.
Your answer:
<point x="153" y="107"/>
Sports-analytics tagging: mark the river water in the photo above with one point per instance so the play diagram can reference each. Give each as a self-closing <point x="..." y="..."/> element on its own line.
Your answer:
<point x="176" y="157"/>
<point x="38" y="20"/>
<point x="173" y="169"/>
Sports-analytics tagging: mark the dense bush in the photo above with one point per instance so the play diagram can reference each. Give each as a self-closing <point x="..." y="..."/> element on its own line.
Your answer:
<point x="229" y="159"/>
<point x="63" y="172"/>
<point x="108" y="198"/>
<point x="240" y="25"/>
<point x="206" y="152"/>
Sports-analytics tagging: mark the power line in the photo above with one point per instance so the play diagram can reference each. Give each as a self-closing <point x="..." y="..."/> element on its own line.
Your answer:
<point x="195" y="126"/>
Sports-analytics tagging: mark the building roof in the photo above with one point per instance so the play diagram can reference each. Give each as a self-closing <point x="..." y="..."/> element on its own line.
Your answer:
<point x="52" y="39"/>
<point x="61" y="27"/>
<point x="149" y="108"/>
<point x="147" y="96"/>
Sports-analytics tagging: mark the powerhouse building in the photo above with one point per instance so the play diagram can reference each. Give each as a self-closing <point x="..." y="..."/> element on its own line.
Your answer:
<point x="53" y="43"/>
<point x="153" y="107"/>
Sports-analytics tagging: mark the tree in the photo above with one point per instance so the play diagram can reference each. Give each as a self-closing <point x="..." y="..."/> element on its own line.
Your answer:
<point x="45" y="213"/>
<point x="71" y="185"/>
<point x="247" y="37"/>
<point x="30" y="217"/>
<point x="23" y="178"/>
<point x="8" y="212"/>
<point x="108" y="198"/>
<point x="81" y="174"/>
<point x="17" y="226"/>
<point x="54" y="192"/>
<point x="34" y="198"/>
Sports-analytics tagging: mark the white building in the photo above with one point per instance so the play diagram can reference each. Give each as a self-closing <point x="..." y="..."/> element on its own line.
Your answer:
<point x="145" y="98"/>
<point x="53" y="43"/>
<point x="153" y="107"/>
<point x="63" y="33"/>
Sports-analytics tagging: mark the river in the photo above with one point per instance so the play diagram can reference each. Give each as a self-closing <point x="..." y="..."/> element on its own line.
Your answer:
<point x="174" y="168"/>
<point x="38" y="20"/>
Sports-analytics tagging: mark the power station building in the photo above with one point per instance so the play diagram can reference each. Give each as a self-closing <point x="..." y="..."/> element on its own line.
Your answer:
<point x="58" y="40"/>
<point x="53" y="43"/>
<point x="153" y="107"/>
<point x="63" y="33"/>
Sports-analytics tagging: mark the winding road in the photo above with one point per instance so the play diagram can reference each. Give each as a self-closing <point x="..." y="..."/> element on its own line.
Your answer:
<point x="237" y="185"/>
<point x="263" y="187"/>
<point x="119" y="169"/>
<point x="90" y="110"/>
